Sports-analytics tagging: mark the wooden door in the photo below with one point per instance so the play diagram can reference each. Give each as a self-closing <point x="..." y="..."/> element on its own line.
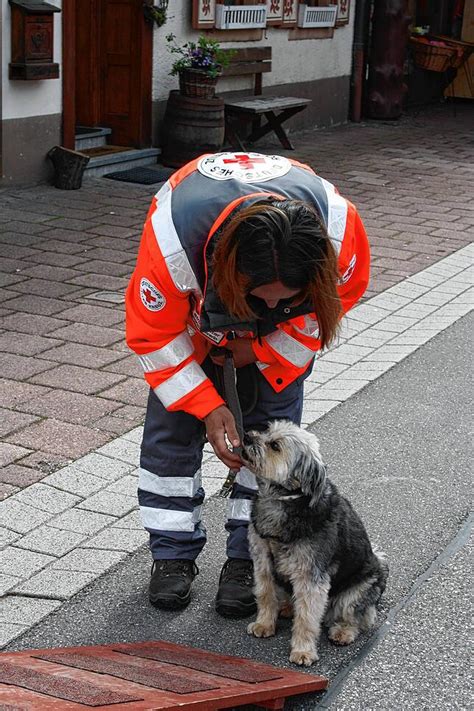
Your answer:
<point x="107" y="69"/>
<point x="87" y="67"/>
<point x="125" y="71"/>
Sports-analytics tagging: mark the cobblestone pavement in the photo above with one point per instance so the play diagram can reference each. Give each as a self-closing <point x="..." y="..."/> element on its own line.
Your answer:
<point x="68" y="383"/>
<point x="70" y="393"/>
<point x="64" y="532"/>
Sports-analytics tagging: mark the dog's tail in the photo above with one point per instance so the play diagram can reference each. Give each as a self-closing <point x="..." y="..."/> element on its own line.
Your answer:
<point x="383" y="569"/>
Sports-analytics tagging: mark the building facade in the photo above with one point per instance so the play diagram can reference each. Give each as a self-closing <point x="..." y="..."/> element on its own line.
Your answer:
<point x="114" y="69"/>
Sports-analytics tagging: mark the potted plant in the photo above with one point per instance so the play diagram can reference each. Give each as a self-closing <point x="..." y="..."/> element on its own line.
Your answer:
<point x="155" y="14"/>
<point x="198" y="65"/>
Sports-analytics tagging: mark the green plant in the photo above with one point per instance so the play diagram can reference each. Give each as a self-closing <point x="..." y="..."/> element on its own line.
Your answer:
<point x="155" y="14"/>
<point x="205" y="54"/>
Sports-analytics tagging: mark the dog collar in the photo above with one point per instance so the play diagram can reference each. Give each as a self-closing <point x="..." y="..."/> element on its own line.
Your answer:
<point x="289" y="497"/>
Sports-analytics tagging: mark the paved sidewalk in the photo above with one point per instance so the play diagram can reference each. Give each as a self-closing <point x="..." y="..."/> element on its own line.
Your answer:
<point x="68" y="384"/>
<point x="400" y="451"/>
<point x="68" y="530"/>
<point x="72" y="398"/>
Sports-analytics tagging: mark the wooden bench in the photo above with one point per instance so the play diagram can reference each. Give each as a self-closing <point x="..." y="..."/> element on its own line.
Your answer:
<point x="243" y="110"/>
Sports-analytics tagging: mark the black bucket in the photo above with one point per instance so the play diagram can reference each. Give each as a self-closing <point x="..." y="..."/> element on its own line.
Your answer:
<point x="69" y="167"/>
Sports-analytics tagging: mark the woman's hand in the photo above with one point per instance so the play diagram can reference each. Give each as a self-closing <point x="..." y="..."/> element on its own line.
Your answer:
<point x="219" y="423"/>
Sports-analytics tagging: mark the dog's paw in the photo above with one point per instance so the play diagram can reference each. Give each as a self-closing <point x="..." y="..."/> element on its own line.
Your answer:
<point x="260" y="630"/>
<point x="343" y="634"/>
<point x="304" y="658"/>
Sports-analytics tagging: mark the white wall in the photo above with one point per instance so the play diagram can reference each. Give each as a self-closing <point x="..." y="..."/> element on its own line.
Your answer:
<point x="21" y="99"/>
<point x="295" y="61"/>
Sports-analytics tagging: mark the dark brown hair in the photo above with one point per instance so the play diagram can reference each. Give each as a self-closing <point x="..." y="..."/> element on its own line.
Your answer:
<point x="278" y="240"/>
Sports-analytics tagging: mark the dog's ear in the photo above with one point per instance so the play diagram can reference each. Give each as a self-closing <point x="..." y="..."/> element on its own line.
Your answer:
<point x="311" y="473"/>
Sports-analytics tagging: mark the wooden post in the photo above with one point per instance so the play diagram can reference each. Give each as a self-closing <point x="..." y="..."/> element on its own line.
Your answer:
<point x="386" y="88"/>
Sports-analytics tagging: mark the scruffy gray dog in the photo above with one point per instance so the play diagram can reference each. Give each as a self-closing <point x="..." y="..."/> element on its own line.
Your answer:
<point x="308" y="545"/>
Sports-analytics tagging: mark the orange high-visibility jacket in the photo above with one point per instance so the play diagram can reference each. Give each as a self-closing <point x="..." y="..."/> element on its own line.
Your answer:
<point x="166" y="292"/>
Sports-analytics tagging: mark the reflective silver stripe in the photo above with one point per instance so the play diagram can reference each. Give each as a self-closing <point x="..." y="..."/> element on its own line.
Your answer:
<point x="169" y="243"/>
<point x="180" y="384"/>
<point x="261" y="366"/>
<point x="246" y="478"/>
<point x="310" y="328"/>
<point x="337" y="215"/>
<point x="169" y="485"/>
<point x="349" y="271"/>
<point x="239" y="509"/>
<point x="289" y="348"/>
<point x="172" y="354"/>
<point x="166" y="520"/>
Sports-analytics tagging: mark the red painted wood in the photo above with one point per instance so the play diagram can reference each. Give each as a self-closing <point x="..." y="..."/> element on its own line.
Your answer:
<point x="87" y="67"/>
<point x="68" y="73"/>
<point x="226" y="692"/>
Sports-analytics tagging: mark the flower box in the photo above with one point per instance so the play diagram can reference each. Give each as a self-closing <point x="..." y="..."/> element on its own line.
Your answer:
<point x="317" y="16"/>
<point x="240" y="17"/>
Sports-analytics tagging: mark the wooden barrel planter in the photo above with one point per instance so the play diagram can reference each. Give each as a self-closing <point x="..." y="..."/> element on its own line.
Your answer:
<point x="191" y="126"/>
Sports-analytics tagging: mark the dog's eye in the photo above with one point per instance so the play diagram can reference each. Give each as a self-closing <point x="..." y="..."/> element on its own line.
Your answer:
<point x="275" y="446"/>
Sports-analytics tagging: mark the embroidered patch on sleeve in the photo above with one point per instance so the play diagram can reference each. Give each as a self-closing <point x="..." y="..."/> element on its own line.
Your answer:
<point x="349" y="271"/>
<point x="152" y="299"/>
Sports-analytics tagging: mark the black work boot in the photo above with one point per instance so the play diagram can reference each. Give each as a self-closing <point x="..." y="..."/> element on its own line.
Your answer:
<point x="235" y="596"/>
<point x="170" y="584"/>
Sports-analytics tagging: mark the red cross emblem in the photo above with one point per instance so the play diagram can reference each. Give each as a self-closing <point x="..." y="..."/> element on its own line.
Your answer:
<point x="245" y="167"/>
<point x="244" y="160"/>
<point x="150" y="299"/>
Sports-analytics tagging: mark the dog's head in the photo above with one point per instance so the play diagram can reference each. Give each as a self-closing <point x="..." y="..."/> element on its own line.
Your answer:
<point x="288" y="456"/>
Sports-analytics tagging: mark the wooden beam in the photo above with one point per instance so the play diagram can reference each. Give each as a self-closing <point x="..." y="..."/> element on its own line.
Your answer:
<point x="68" y="73"/>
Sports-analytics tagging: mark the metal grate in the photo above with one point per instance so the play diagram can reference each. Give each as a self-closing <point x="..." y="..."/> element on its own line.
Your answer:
<point x="238" y="17"/>
<point x="112" y="297"/>
<point x="317" y="16"/>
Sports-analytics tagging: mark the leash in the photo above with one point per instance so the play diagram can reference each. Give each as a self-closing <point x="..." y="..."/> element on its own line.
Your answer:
<point x="227" y="376"/>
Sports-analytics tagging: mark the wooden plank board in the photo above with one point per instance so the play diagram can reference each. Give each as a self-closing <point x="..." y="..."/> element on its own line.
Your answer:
<point x="122" y="677"/>
<point x="248" y="54"/>
<point x="258" y="105"/>
<point x="241" y="68"/>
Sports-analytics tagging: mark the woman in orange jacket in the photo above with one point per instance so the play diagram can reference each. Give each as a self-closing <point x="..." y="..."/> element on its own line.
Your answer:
<point x="261" y="256"/>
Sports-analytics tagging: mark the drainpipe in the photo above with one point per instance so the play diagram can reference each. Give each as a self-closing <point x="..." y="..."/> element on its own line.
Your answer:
<point x="359" y="51"/>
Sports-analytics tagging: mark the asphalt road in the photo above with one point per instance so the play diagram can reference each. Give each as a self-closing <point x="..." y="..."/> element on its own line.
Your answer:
<point x="400" y="450"/>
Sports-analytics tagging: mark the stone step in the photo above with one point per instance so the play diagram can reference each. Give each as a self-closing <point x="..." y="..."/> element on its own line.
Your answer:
<point x="91" y="137"/>
<point x="123" y="160"/>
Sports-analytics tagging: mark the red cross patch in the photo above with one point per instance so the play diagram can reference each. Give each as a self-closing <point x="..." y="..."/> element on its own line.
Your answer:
<point x="152" y="299"/>
<point x="246" y="167"/>
<point x="349" y="271"/>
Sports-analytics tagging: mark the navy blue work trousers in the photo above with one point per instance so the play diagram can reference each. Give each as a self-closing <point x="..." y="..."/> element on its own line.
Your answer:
<point x="170" y="485"/>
